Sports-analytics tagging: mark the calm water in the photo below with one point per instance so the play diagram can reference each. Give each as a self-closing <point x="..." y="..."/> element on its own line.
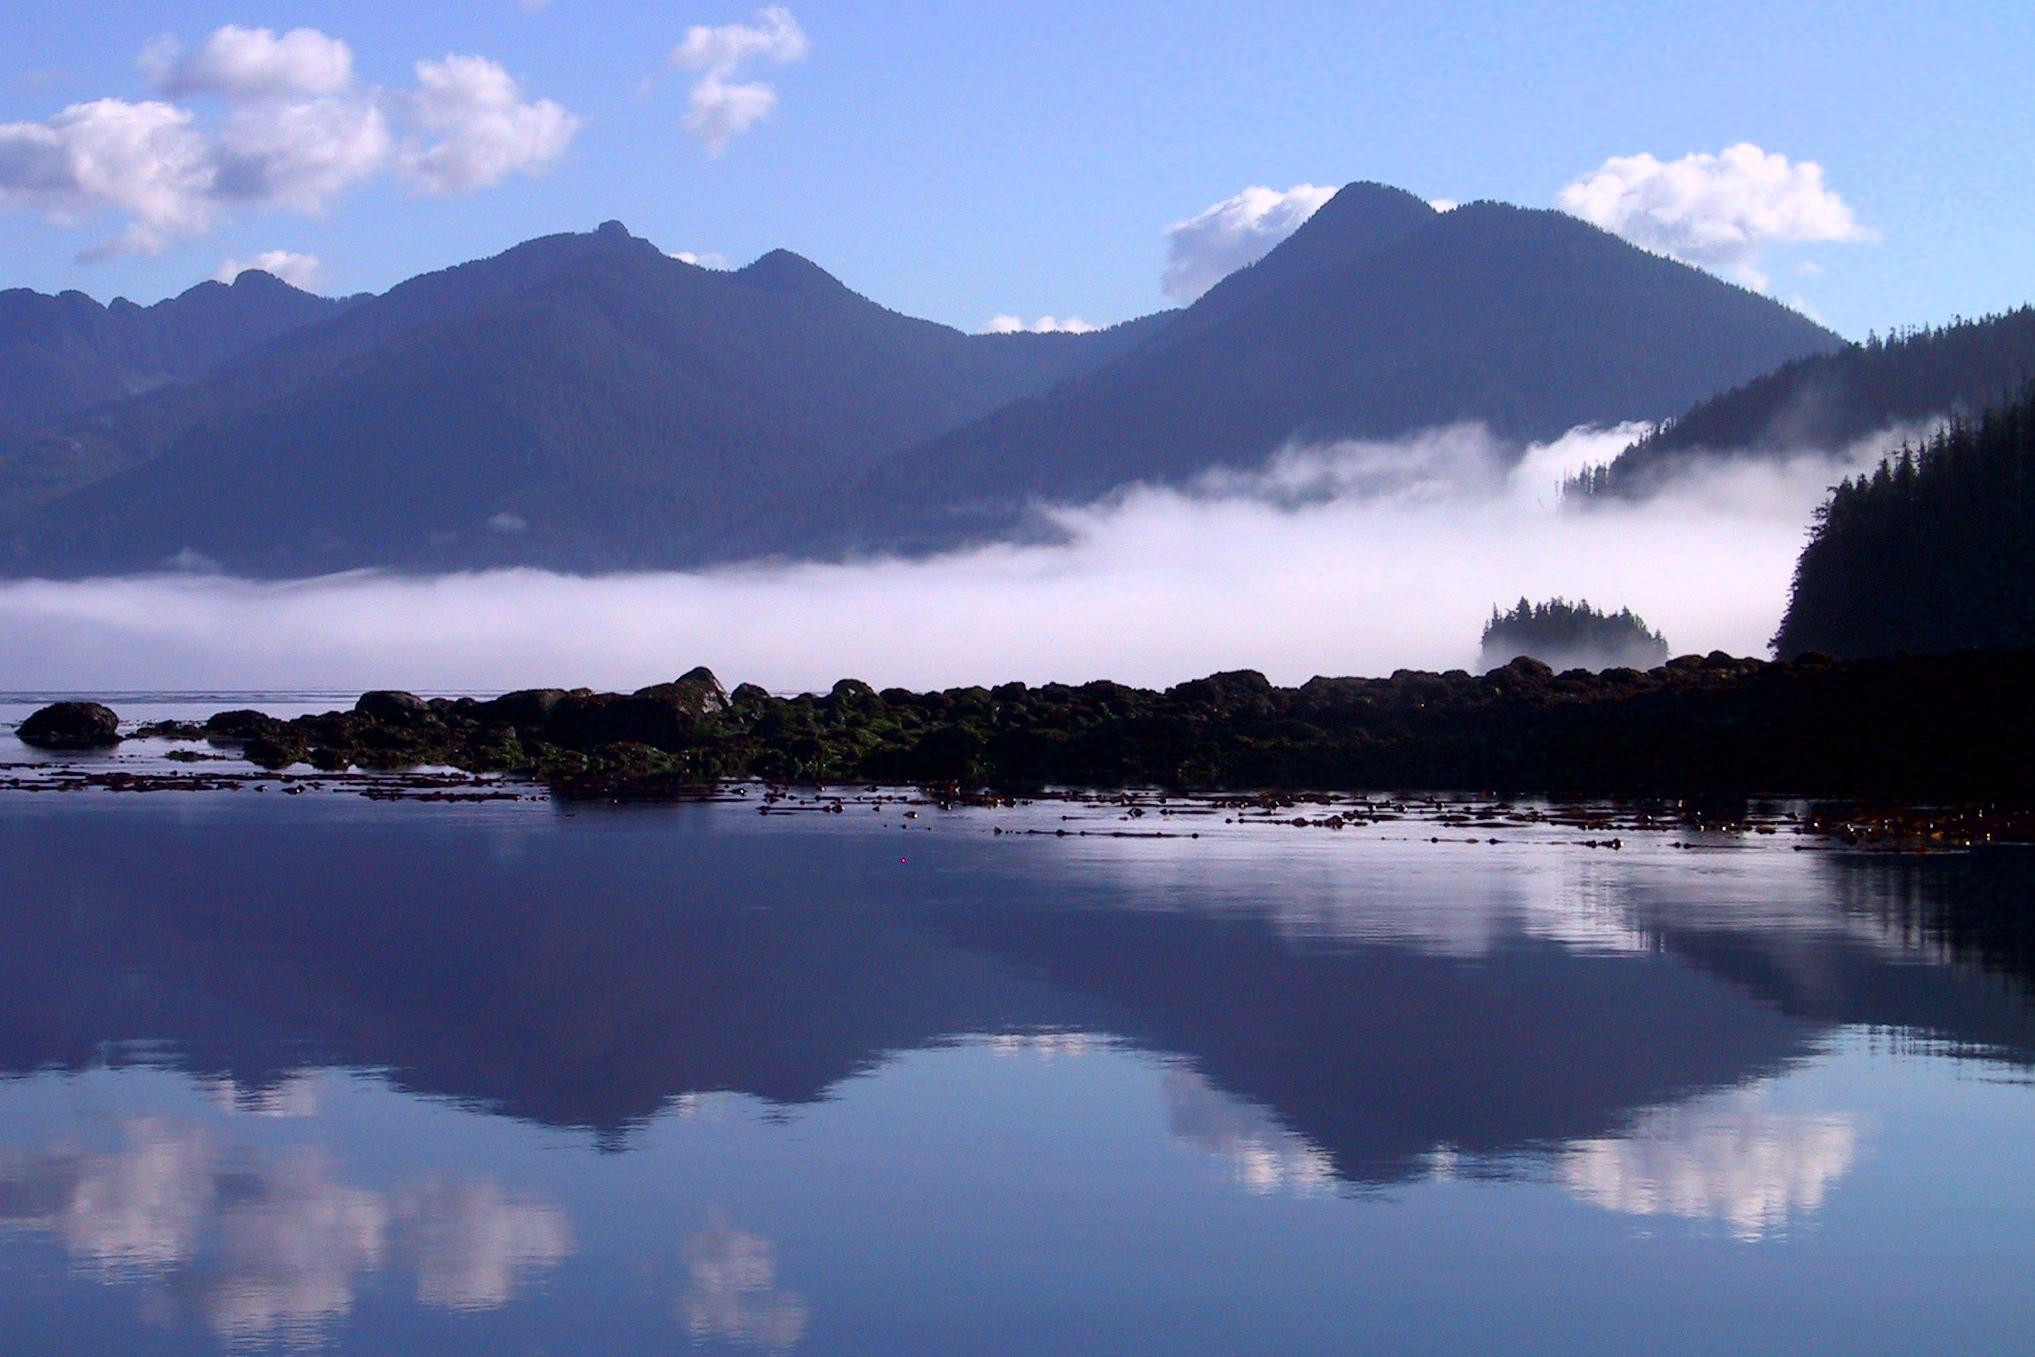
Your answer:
<point x="321" y="1073"/>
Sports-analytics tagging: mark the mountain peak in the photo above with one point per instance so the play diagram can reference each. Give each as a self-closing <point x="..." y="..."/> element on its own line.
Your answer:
<point x="783" y="271"/>
<point x="1361" y="218"/>
<point x="260" y="281"/>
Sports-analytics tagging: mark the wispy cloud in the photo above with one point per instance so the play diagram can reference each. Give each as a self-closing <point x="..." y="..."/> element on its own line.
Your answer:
<point x="723" y="105"/>
<point x="1223" y="237"/>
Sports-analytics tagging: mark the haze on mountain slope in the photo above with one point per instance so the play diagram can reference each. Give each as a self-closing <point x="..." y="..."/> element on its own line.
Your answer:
<point x="1823" y="404"/>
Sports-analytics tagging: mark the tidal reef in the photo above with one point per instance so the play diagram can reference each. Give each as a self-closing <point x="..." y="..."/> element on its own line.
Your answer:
<point x="1916" y="728"/>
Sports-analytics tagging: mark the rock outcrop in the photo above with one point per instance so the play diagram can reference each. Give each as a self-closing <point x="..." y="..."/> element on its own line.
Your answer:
<point x="71" y="725"/>
<point x="1955" y="727"/>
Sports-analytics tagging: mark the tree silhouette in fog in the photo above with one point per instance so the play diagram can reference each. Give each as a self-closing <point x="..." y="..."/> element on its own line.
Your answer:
<point x="1569" y="635"/>
<point x="1934" y="551"/>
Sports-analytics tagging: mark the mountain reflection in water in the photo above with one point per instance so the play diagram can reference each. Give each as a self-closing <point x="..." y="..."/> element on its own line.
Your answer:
<point x="1326" y="1016"/>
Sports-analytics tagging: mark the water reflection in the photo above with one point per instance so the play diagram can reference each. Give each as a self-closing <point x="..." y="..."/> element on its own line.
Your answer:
<point x="122" y="1214"/>
<point x="1262" y="1156"/>
<point x="734" y="1296"/>
<point x="268" y="1246"/>
<point x="1163" y="1041"/>
<point x="1730" y="1159"/>
<point x="1377" y="1001"/>
<point x="474" y="1245"/>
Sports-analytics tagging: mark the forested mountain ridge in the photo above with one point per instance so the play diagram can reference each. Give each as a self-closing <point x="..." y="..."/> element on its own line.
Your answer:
<point x="62" y="354"/>
<point x="1827" y="402"/>
<point x="1932" y="552"/>
<point x="1379" y="317"/>
<point x="582" y="401"/>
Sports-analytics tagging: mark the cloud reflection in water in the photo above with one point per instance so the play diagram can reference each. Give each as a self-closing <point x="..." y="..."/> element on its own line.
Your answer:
<point x="734" y="1296"/>
<point x="1728" y="1158"/>
<point x="269" y="1247"/>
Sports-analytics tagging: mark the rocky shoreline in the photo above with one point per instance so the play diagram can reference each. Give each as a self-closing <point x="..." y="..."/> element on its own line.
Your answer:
<point x="1957" y="728"/>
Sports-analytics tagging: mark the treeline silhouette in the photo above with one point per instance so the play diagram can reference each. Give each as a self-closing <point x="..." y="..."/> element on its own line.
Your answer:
<point x="1567" y="635"/>
<point x="1931" y="553"/>
<point x="1828" y="401"/>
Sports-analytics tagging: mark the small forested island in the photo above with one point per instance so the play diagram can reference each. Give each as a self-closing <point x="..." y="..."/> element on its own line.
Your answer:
<point x="1955" y="727"/>
<point x="1565" y="635"/>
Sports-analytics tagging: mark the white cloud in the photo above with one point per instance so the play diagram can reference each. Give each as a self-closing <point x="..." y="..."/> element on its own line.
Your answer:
<point x="252" y="63"/>
<point x="1443" y="204"/>
<point x="775" y="36"/>
<point x="144" y="160"/>
<point x="296" y="156"/>
<point x="722" y="111"/>
<point x="480" y="128"/>
<point x="296" y="132"/>
<point x="1044" y="325"/>
<point x="298" y="270"/>
<point x="1214" y="243"/>
<point x="706" y="259"/>
<point x="1719" y="211"/>
<point x="723" y="107"/>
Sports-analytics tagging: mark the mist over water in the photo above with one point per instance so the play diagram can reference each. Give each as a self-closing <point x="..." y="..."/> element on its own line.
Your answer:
<point x="1353" y="558"/>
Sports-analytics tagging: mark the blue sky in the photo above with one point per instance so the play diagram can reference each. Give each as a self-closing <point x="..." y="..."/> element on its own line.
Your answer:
<point x="968" y="160"/>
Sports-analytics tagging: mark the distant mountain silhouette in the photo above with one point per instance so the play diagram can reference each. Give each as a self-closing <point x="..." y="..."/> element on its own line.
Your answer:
<point x="1378" y="317"/>
<point x="62" y="355"/>
<point x="585" y="402"/>
<point x="580" y="401"/>
<point x="1829" y="401"/>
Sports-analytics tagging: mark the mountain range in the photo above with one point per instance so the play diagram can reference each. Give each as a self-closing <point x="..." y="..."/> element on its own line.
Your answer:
<point x="586" y="402"/>
<point x="1380" y="316"/>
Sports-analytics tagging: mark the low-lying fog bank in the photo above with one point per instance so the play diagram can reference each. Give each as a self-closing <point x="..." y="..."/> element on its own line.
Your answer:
<point x="1349" y="559"/>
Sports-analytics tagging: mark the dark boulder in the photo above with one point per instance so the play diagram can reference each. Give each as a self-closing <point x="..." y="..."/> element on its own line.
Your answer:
<point x="1525" y="672"/>
<point x="750" y="695"/>
<point x="274" y="751"/>
<point x="525" y="708"/>
<point x="396" y="708"/>
<point x="851" y="693"/>
<point x="591" y="720"/>
<point x="697" y="691"/>
<point x="1234" y="690"/>
<point x="71" y="725"/>
<point x="239" y="724"/>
